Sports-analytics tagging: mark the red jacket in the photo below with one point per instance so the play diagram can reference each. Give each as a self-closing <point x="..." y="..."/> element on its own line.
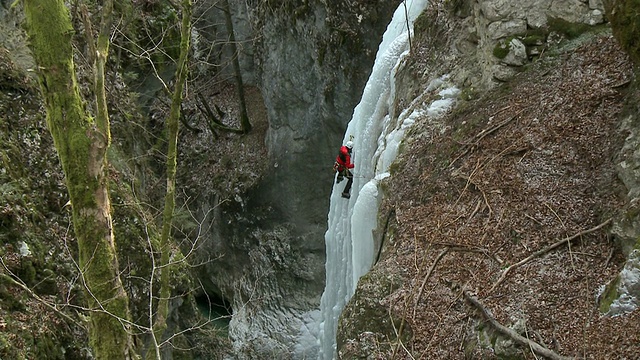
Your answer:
<point x="344" y="159"/>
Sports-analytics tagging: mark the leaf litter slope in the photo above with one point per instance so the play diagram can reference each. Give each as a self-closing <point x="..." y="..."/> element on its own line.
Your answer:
<point x="526" y="165"/>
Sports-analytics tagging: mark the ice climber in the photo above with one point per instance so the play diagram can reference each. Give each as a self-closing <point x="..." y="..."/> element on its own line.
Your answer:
<point x="343" y="165"/>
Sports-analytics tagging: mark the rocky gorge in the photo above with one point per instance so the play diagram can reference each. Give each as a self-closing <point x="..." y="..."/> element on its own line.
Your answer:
<point x="539" y="151"/>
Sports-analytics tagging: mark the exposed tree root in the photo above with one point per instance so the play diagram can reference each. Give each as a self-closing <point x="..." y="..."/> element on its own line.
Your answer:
<point x="534" y="346"/>
<point x="214" y="122"/>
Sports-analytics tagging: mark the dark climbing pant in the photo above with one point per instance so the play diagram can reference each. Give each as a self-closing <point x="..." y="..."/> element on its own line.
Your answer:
<point x="346" y="174"/>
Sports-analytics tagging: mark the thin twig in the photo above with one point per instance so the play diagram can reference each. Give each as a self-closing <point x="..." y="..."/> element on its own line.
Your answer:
<point x="526" y="333"/>
<point x="606" y="263"/>
<point x="415" y="252"/>
<point x="564" y="227"/>
<point x="398" y="332"/>
<point x="470" y="146"/>
<point x="473" y="213"/>
<point x="532" y="218"/>
<point x="469" y="181"/>
<point x="441" y="319"/>
<point x="501" y="110"/>
<point x="469" y="248"/>
<point x="15" y="280"/>
<point x="486" y="201"/>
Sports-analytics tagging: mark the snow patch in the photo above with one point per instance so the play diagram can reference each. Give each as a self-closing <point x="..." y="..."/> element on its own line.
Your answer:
<point x="24" y="249"/>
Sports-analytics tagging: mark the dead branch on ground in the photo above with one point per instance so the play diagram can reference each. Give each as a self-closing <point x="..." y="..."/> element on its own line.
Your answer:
<point x="469" y="248"/>
<point x="534" y="346"/>
<point x="214" y="122"/>
<point x="544" y="251"/>
<point x="399" y="332"/>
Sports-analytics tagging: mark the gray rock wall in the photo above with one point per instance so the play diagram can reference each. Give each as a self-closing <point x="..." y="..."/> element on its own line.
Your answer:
<point x="500" y="20"/>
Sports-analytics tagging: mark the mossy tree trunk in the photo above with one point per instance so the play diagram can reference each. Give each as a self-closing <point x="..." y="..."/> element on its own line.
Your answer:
<point x="172" y="124"/>
<point x="245" y="124"/>
<point x="82" y="142"/>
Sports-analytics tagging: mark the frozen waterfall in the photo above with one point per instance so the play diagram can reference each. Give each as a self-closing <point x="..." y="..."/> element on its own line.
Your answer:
<point x="376" y="135"/>
<point x="349" y="241"/>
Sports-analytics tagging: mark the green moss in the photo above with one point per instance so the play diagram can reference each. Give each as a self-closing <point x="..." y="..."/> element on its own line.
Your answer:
<point x="228" y="162"/>
<point x="468" y="93"/>
<point x="7" y="350"/>
<point x="632" y="213"/>
<point x="422" y="23"/>
<point x="45" y="348"/>
<point x="364" y="313"/>
<point x="458" y="7"/>
<point x="431" y="27"/>
<point x="466" y="128"/>
<point x="624" y="16"/>
<point x="183" y="219"/>
<point x="395" y="167"/>
<point x="150" y="25"/>
<point x="609" y="294"/>
<point x="535" y="38"/>
<point x="486" y="336"/>
<point x="501" y="50"/>
<point x="570" y="29"/>
<point x="27" y="272"/>
<point x="80" y="145"/>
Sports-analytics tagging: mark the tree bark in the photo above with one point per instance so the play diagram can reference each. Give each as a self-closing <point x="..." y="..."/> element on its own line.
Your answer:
<point x="82" y="142"/>
<point x="245" y="124"/>
<point x="173" y="122"/>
